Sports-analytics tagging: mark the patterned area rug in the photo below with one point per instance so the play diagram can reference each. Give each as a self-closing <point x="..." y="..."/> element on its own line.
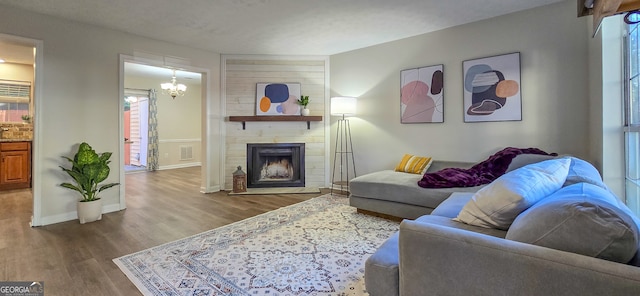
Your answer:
<point x="316" y="247"/>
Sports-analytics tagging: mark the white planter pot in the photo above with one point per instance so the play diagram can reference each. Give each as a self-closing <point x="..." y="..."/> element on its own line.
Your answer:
<point x="304" y="112"/>
<point x="89" y="211"/>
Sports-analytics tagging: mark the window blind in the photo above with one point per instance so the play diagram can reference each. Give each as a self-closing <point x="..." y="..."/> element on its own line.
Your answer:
<point x="15" y="91"/>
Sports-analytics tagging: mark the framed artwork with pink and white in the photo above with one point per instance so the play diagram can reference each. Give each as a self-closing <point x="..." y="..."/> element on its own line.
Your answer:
<point x="421" y="95"/>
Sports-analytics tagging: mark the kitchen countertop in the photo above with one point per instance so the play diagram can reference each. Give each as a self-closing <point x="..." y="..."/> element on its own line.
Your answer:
<point x="15" y="140"/>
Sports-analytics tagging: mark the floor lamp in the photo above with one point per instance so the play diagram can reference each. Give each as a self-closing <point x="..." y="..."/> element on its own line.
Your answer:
<point x="343" y="159"/>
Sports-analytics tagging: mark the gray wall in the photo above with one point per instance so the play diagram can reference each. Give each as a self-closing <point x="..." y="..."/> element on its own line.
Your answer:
<point x="554" y="79"/>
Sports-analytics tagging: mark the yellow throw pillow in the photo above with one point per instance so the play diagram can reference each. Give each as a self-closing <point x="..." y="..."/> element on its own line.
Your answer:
<point x="414" y="164"/>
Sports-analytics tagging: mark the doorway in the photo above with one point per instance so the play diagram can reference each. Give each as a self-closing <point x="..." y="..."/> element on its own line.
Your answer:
<point x="17" y="69"/>
<point x="179" y="120"/>
<point x="136" y="130"/>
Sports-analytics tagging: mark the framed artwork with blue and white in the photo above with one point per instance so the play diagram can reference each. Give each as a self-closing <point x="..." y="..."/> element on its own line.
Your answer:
<point x="492" y="88"/>
<point x="277" y="98"/>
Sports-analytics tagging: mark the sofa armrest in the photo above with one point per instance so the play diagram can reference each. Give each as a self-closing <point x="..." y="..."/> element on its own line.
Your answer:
<point x="440" y="260"/>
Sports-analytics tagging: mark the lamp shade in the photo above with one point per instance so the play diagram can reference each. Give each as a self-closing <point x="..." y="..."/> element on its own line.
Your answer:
<point x="343" y="105"/>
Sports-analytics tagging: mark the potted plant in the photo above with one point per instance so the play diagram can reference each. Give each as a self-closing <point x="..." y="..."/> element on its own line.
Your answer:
<point x="88" y="170"/>
<point x="26" y="118"/>
<point x="304" y="101"/>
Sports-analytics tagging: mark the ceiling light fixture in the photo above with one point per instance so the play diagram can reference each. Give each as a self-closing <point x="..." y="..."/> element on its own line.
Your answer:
<point x="173" y="88"/>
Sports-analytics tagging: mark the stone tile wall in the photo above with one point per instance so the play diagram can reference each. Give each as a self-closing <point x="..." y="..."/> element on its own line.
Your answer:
<point x="17" y="131"/>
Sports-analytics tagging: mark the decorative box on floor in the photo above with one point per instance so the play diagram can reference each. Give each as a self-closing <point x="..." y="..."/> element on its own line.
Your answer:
<point x="239" y="181"/>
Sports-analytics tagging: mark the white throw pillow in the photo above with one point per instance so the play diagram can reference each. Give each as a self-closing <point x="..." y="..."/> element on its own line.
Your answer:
<point x="499" y="203"/>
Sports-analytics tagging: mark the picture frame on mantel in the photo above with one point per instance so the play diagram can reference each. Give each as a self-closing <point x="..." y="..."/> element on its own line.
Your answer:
<point x="421" y="95"/>
<point x="492" y="88"/>
<point x="273" y="99"/>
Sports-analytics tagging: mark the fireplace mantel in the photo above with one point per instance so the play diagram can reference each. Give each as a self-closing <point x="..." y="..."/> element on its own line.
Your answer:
<point x="244" y="119"/>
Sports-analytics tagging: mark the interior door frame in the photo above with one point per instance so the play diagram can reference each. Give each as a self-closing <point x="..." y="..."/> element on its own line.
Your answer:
<point x="206" y="124"/>
<point x="36" y="154"/>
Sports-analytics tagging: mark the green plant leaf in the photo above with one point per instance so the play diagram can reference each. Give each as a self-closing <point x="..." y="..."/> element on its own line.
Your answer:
<point x="303" y="101"/>
<point x="72" y="187"/>
<point x="107" y="186"/>
<point x="88" y="170"/>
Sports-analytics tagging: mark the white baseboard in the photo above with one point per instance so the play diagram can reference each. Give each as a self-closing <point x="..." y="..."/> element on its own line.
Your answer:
<point x="58" y="218"/>
<point x="211" y="189"/>
<point x="74" y="215"/>
<point x="179" y="166"/>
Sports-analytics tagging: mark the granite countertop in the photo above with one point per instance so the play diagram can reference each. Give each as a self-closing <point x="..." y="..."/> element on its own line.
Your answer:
<point x="16" y="140"/>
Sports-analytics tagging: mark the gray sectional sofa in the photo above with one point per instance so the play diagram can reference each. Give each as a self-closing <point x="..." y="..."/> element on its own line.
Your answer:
<point x="577" y="240"/>
<point x="397" y="194"/>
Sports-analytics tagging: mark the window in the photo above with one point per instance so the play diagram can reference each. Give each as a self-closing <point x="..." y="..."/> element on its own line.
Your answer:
<point x="14" y="100"/>
<point x="632" y="115"/>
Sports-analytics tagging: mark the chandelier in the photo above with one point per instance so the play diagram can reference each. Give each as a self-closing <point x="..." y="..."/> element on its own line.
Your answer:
<point x="173" y="88"/>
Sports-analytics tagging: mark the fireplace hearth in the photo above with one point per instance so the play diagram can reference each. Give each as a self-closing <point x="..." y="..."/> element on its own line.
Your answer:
<point x="275" y="165"/>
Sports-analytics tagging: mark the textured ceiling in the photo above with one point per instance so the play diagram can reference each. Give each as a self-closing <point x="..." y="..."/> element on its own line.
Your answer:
<point x="282" y="27"/>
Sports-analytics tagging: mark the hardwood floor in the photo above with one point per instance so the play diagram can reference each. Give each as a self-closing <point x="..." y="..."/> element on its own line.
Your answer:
<point x="75" y="259"/>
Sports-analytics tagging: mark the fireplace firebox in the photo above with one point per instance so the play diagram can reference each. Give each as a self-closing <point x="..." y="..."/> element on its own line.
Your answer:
<point x="275" y="165"/>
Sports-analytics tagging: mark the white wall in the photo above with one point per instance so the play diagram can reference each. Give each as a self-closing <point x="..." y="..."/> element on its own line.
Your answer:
<point x="241" y="73"/>
<point x="80" y="99"/>
<point x="553" y="47"/>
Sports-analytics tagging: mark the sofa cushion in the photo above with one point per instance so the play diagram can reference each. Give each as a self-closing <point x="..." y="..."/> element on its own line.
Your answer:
<point x="582" y="218"/>
<point x="437" y="165"/>
<point x="451" y="206"/>
<point x="500" y="202"/>
<point x="381" y="272"/>
<point x="414" y="164"/>
<point x="398" y="187"/>
<point x="448" y="222"/>
<point x="582" y="171"/>
<point x="527" y="159"/>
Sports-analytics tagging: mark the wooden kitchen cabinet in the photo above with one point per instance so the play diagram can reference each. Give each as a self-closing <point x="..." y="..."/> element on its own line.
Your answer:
<point x="15" y="165"/>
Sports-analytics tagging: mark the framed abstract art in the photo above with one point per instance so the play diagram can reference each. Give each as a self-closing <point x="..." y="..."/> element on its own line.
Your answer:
<point x="492" y="88"/>
<point x="277" y="98"/>
<point x="421" y="95"/>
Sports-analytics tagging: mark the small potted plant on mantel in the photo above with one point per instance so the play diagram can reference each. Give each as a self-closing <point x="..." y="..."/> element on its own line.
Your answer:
<point x="88" y="170"/>
<point x="304" y="101"/>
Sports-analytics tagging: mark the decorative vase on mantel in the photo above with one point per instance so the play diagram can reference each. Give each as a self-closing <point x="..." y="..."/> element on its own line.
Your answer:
<point x="303" y="102"/>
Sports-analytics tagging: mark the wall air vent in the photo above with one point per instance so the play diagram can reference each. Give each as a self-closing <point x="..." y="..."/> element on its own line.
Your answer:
<point x="186" y="152"/>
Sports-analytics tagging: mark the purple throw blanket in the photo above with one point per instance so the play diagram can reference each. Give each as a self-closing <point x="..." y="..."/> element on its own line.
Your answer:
<point x="481" y="173"/>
